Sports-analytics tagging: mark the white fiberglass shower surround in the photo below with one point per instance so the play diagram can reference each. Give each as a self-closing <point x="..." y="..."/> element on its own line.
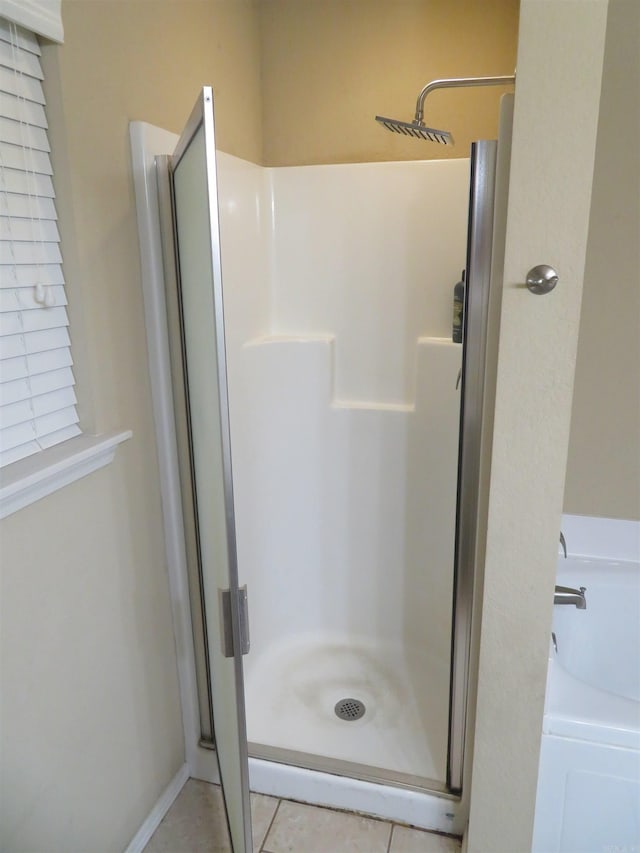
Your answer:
<point x="344" y="419"/>
<point x="335" y="356"/>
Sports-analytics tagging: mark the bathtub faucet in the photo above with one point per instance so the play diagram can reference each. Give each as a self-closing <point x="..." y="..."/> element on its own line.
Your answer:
<point x="568" y="595"/>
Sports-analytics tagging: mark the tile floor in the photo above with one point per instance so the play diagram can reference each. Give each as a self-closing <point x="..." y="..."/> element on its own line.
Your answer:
<point x="195" y="824"/>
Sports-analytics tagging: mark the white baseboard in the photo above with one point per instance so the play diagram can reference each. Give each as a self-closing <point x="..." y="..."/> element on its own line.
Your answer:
<point x="153" y="819"/>
<point x="203" y="764"/>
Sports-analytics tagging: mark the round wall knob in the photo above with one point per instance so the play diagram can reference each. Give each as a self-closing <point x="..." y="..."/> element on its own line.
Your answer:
<point x="542" y="279"/>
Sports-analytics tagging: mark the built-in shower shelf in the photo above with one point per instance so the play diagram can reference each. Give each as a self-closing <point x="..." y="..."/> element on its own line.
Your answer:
<point x="329" y="338"/>
<point x="422" y="341"/>
<point x="313" y="366"/>
<point x="311" y="338"/>
<point x="364" y="405"/>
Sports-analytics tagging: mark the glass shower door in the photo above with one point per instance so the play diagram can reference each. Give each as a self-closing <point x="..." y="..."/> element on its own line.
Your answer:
<point x="476" y="307"/>
<point x="197" y="242"/>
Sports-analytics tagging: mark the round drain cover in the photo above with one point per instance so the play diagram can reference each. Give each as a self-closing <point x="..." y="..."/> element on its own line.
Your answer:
<point x="349" y="709"/>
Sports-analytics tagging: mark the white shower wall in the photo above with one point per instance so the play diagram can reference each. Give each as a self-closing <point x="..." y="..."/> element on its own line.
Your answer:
<point x="369" y="252"/>
<point x="344" y="416"/>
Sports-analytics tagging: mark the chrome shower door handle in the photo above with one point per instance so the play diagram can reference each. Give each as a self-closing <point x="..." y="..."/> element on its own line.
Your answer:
<point x="541" y="279"/>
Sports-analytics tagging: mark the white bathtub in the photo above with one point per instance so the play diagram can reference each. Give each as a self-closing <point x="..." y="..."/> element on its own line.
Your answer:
<point x="589" y="781"/>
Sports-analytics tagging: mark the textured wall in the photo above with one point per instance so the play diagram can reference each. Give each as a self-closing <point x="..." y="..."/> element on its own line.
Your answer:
<point x="91" y="720"/>
<point x="603" y="471"/>
<point x="547" y="221"/>
<point x="329" y="67"/>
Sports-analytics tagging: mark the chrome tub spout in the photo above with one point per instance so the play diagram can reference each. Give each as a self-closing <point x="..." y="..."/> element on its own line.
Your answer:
<point x="568" y="595"/>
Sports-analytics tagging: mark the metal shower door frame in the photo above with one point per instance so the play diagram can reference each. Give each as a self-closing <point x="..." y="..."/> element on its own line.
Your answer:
<point x="224" y="627"/>
<point x="476" y="308"/>
<point x="183" y="451"/>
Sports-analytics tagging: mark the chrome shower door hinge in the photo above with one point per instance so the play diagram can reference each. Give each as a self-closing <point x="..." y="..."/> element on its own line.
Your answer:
<point x="226" y="629"/>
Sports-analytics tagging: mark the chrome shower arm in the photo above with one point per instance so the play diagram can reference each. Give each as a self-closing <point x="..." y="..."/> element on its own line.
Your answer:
<point x="455" y="82"/>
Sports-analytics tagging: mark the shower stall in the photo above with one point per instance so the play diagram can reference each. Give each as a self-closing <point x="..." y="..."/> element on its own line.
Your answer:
<point x="326" y="432"/>
<point x="346" y="413"/>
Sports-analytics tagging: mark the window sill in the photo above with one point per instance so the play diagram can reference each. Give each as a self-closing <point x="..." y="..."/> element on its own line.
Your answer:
<point x="30" y="479"/>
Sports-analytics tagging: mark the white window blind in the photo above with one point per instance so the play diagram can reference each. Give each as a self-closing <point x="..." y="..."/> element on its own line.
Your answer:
<point x="37" y="398"/>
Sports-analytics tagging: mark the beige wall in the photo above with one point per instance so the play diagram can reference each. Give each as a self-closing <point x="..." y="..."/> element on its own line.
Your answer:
<point x="91" y="723"/>
<point x="329" y="67"/>
<point x="91" y="728"/>
<point x="603" y="472"/>
<point x="547" y="221"/>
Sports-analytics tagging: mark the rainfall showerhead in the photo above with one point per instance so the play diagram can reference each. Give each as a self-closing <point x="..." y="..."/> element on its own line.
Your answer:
<point x="417" y="127"/>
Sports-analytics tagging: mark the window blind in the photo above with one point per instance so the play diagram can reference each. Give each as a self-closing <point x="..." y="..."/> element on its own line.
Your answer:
<point x="37" y="397"/>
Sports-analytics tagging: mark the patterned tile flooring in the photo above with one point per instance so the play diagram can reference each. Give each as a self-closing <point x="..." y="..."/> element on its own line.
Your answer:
<point x="195" y="823"/>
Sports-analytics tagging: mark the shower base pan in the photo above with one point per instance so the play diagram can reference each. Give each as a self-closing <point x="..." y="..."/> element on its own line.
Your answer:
<point x="296" y="694"/>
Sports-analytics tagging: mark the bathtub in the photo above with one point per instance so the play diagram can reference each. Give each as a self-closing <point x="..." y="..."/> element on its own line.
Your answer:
<point x="589" y="778"/>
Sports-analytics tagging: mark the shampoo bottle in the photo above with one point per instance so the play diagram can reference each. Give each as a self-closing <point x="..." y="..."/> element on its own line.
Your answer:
<point x="458" y="310"/>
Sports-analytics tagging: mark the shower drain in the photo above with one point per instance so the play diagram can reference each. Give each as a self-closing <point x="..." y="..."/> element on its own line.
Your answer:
<point x="349" y="709"/>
